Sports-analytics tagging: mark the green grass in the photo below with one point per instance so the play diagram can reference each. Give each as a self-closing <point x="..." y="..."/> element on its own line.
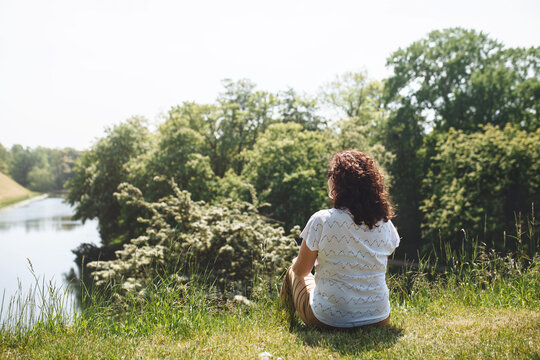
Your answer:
<point x="488" y="310"/>
<point x="14" y="200"/>
<point x="11" y="192"/>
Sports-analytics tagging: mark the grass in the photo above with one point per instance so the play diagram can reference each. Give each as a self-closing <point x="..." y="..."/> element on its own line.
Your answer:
<point x="14" y="200"/>
<point x="463" y="332"/>
<point x="458" y="317"/>
<point x="479" y="305"/>
<point x="11" y="192"/>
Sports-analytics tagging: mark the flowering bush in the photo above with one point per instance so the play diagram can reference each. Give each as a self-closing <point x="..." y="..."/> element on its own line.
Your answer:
<point x="230" y="243"/>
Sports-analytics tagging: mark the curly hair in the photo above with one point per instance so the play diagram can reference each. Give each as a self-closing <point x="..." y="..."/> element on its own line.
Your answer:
<point x="358" y="187"/>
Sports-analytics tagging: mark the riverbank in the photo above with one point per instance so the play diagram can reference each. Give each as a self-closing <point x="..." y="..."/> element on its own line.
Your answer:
<point x="12" y="193"/>
<point x="21" y="200"/>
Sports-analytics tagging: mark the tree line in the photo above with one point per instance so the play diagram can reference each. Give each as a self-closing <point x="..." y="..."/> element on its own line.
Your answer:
<point x="40" y="169"/>
<point x="455" y="128"/>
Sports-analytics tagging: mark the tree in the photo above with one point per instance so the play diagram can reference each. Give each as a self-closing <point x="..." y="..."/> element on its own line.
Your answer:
<point x="463" y="79"/>
<point x="479" y="182"/>
<point x="61" y="163"/>
<point x="287" y="167"/>
<point x="454" y="78"/>
<point x="182" y="152"/>
<point x="403" y="137"/>
<point x="4" y="160"/>
<point x="99" y="172"/>
<point x="23" y="160"/>
<point x="359" y="101"/>
<point x="299" y="109"/>
<point x="244" y="114"/>
<point x="40" y="178"/>
<point x="354" y="96"/>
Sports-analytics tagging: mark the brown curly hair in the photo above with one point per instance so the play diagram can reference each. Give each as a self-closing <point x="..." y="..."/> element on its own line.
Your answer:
<point x="358" y="187"/>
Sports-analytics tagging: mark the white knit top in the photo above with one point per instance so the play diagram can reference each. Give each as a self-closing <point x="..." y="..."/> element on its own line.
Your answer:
<point x="350" y="275"/>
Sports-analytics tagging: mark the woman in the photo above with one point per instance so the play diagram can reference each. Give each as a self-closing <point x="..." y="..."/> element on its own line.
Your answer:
<point x="348" y="245"/>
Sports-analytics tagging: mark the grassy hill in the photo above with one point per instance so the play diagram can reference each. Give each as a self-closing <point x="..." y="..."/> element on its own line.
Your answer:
<point x="11" y="192"/>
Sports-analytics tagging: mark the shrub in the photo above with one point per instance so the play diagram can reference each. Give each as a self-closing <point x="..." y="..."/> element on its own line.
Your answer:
<point x="229" y="243"/>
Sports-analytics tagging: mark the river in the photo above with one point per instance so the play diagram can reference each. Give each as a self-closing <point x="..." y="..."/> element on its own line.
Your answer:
<point x="43" y="233"/>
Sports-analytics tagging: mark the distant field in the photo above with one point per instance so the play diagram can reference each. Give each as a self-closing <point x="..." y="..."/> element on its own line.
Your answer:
<point x="11" y="192"/>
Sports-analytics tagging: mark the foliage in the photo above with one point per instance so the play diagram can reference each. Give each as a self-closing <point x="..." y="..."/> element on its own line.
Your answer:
<point x="402" y="137"/>
<point x="231" y="243"/>
<point x="39" y="169"/>
<point x="41" y="178"/>
<point x="453" y="78"/>
<point x="22" y="162"/>
<point x="302" y="110"/>
<point x="181" y="153"/>
<point x="355" y="97"/>
<point x="480" y="182"/>
<point x="287" y="167"/>
<point x="236" y="188"/>
<point x="463" y="79"/>
<point x="244" y="114"/>
<point x="359" y="102"/>
<point x="4" y="160"/>
<point x="201" y="147"/>
<point x="99" y="172"/>
<point x="61" y="163"/>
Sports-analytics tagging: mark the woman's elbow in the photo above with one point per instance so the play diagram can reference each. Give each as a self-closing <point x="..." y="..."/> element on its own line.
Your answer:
<point x="299" y="271"/>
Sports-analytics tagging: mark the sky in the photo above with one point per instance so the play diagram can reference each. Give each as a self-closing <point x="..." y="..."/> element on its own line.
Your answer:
<point x="69" y="69"/>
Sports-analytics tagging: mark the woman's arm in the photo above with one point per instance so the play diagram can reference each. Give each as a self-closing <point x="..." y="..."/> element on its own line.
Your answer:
<point x="305" y="261"/>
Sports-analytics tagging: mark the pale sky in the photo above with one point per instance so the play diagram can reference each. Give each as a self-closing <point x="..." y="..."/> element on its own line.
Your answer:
<point x="70" y="68"/>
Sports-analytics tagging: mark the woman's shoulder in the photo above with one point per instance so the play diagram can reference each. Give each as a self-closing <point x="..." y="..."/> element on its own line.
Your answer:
<point x="326" y="215"/>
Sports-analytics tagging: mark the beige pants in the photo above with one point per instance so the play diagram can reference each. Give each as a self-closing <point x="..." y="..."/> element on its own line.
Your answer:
<point x="297" y="290"/>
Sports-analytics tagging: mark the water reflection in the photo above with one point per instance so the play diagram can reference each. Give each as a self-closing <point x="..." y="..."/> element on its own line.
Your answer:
<point x="43" y="232"/>
<point x="55" y="223"/>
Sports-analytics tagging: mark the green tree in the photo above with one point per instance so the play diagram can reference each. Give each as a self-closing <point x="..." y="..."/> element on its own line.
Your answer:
<point x="61" y="163"/>
<point x="4" y="160"/>
<point x="454" y="78"/>
<point x="182" y="152"/>
<point x="358" y="102"/>
<point x="237" y="188"/>
<point x="299" y="109"/>
<point x="479" y="182"/>
<point x="41" y="179"/>
<point x="463" y="79"/>
<point x="287" y="166"/>
<point x="23" y="160"/>
<point x="222" y="131"/>
<point x="99" y="172"/>
<point x="354" y="96"/>
<point x="403" y="137"/>
<point x="244" y="114"/>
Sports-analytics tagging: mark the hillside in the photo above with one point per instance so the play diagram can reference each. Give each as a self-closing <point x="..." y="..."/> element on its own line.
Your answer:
<point x="11" y="192"/>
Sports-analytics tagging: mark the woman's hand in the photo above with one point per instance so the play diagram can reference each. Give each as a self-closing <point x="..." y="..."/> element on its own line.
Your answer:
<point x="305" y="261"/>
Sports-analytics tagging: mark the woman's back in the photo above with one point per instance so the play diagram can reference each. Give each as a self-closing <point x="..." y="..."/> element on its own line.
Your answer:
<point x="350" y="275"/>
<point x="349" y="246"/>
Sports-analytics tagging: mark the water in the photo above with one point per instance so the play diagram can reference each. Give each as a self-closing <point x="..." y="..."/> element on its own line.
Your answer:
<point x="40" y="231"/>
